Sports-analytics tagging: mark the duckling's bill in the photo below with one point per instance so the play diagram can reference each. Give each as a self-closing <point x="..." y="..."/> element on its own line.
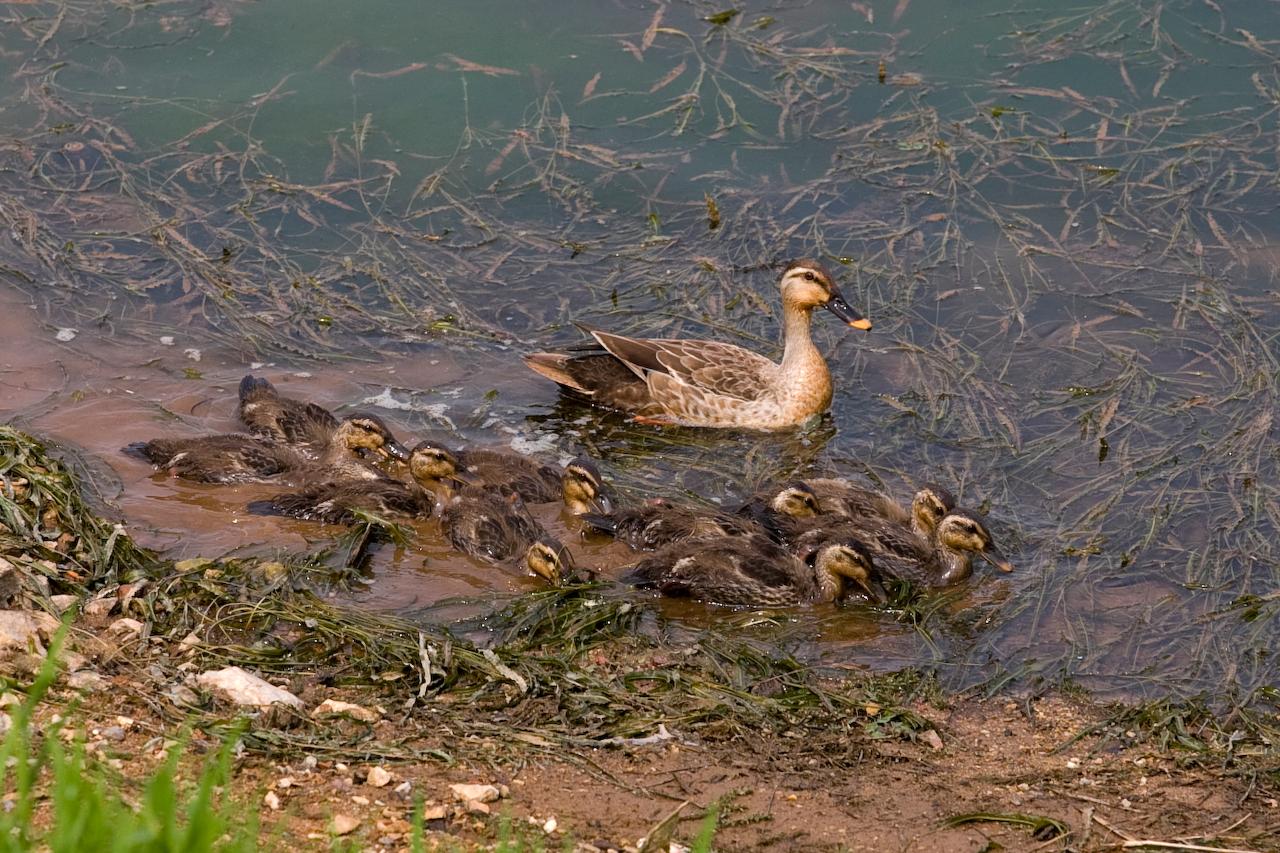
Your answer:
<point x="837" y="305"/>
<point x="394" y="450"/>
<point x="995" y="557"/>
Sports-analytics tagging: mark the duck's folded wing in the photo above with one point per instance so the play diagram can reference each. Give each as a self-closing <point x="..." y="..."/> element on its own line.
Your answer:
<point x="309" y="423"/>
<point x="722" y="369"/>
<point x="711" y="366"/>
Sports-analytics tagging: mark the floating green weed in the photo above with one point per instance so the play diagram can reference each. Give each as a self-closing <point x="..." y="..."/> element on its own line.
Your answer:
<point x="46" y="525"/>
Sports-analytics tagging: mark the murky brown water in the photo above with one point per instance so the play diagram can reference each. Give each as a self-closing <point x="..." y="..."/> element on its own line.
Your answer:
<point x="95" y="406"/>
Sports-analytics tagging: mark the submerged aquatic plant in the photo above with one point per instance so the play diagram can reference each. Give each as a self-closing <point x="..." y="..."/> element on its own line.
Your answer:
<point x="1071" y="278"/>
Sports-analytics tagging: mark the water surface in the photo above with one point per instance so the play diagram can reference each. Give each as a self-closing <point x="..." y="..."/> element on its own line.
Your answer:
<point x="1061" y="221"/>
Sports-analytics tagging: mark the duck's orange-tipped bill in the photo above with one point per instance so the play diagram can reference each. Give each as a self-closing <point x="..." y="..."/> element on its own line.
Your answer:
<point x="836" y="305"/>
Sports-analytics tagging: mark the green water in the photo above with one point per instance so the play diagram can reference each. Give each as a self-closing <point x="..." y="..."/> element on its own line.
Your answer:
<point x="1061" y="219"/>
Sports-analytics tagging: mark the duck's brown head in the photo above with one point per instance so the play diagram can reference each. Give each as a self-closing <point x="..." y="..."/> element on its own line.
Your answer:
<point x="431" y="462"/>
<point x="363" y="431"/>
<point x="550" y="560"/>
<point x="583" y="489"/>
<point x="797" y="500"/>
<point x="963" y="530"/>
<point x="930" y="504"/>
<point x="807" y="284"/>
<point x="850" y="561"/>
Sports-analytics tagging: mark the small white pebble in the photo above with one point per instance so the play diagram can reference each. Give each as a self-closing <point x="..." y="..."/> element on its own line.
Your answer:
<point x="550" y="825"/>
<point x="65" y="335"/>
<point x="1073" y="764"/>
<point x="1125" y="804"/>
<point x="272" y="801"/>
<point x="166" y="340"/>
<point x="302" y="374"/>
<point x="192" y="353"/>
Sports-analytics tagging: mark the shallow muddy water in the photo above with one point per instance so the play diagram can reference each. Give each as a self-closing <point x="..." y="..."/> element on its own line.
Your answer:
<point x="1062" y="223"/>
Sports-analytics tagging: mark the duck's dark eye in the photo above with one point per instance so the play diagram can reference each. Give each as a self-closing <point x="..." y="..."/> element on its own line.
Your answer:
<point x="809" y="276"/>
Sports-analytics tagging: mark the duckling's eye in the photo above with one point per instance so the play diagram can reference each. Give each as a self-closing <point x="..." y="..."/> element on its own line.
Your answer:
<point x="809" y="276"/>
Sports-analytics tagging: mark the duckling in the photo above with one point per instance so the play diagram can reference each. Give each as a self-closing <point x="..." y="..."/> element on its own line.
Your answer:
<point x="941" y="560"/>
<point x="530" y="479"/>
<point x="660" y="522"/>
<point x="236" y="458"/>
<point x="755" y="571"/>
<point x="579" y="485"/>
<point x="709" y="383"/>
<point x="336" y="501"/>
<point x="488" y="524"/>
<point x="582" y="489"/>
<point x="550" y="560"/>
<point x="840" y="497"/>
<point x="306" y="426"/>
<point x="784" y="514"/>
<point x="497" y="528"/>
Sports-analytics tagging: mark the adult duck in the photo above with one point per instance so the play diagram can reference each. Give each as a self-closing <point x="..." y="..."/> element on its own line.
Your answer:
<point x="709" y="383"/>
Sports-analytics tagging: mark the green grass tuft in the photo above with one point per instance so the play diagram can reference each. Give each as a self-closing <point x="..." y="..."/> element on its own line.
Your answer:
<point x="63" y="801"/>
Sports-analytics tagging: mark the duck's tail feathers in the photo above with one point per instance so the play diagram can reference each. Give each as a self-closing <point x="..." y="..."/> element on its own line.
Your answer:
<point x="252" y="386"/>
<point x="639" y="578"/>
<point x="139" y="450"/>
<point x="600" y="523"/>
<point x="552" y="365"/>
<point x="270" y="506"/>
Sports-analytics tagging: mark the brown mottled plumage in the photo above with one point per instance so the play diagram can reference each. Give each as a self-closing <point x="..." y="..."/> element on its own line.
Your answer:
<point x="943" y="559"/>
<point x="496" y="527"/>
<point x="755" y="571"/>
<point x="709" y="383"/>
<point x="238" y="458"/>
<point x="578" y="484"/>
<point x="843" y="498"/>
<point x="660" y="522"/>
<point x="337" y="501"/>
<point x="265" y="413"/>
<point x="488" y="524"/>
